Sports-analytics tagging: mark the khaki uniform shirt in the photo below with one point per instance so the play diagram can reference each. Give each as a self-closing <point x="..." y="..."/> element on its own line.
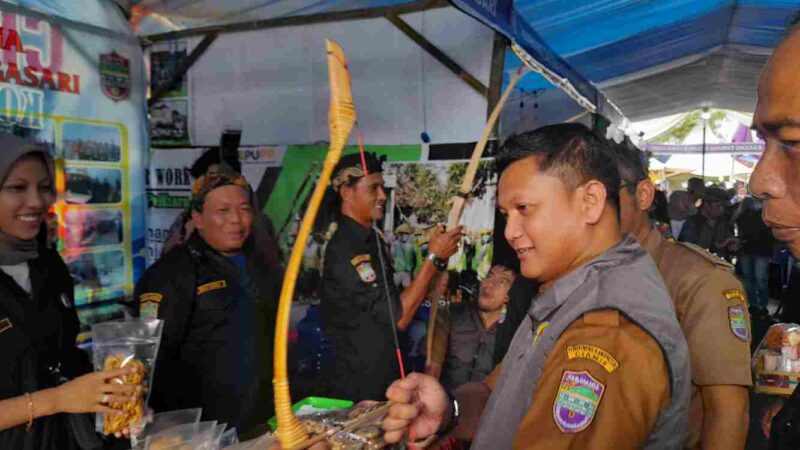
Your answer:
<point x="712" y="312"/>
<point x="629" y="408"/>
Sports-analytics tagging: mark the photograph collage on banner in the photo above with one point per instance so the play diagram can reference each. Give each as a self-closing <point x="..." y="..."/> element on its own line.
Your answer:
<point x="95" y="210"/>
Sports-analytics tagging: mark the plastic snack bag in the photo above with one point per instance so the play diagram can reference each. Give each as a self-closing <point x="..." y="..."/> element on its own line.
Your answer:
<point x="119" y="344"/>
<point x="776" y="362"/>
<point x="229" y="438"/>
<point x="163" y="421"/>
<point x="192" y="436"/>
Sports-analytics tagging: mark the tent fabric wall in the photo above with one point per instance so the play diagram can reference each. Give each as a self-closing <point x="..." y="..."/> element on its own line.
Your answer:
<point x="275" y="82"/>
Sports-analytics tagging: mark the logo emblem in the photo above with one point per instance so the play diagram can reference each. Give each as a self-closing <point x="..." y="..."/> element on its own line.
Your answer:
<point x="366" y="272"/>
<point x="115" y="76"/>
<point x="577" y="400"/>
<point x="738" y="322"/>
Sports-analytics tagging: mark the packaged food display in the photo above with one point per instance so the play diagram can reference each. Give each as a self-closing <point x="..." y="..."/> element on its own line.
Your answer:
<point x="192" y="436"/>
<point x="120" y="344"/>
<point x="163" y="421"/>
<point x="776" y="362"/>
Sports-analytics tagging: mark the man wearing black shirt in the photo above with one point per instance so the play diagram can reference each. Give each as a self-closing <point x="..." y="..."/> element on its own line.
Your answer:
<point x="358" y="289"/>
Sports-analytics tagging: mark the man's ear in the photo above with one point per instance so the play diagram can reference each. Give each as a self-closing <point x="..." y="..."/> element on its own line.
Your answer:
<point x="196" y="220"/>
<point x="346" y="192"/>
<point x="645" y="195"/>
<point x="593" y="197"/>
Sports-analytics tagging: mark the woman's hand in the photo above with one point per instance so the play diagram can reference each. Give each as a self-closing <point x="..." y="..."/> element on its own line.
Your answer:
<point x="94" y="392"/>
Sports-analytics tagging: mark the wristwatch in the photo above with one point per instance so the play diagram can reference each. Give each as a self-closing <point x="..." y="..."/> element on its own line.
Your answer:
<point x="440" y="264"/>
<point x="454" y="416"/>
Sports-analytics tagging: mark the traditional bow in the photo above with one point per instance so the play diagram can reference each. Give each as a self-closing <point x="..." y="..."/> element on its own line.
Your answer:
<point x="342" y="118"/>
<point x="460" y="200"/>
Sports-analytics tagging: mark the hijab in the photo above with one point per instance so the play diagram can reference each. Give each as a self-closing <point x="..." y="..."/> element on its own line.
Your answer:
<point x="14" y="250"/>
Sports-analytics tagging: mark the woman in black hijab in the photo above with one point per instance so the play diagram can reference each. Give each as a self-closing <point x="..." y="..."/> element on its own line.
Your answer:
<point x="42" y="391"/>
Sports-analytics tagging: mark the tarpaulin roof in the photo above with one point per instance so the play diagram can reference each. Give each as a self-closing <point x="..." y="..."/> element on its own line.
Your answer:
<point x="655" y="57"/>
<point x="649" y="57"/>
<point x="171" y="15"/>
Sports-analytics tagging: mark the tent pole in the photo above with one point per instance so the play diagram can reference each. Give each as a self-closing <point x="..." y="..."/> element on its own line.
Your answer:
<point x="704" y="152"/>
<point x="496" y="75"/>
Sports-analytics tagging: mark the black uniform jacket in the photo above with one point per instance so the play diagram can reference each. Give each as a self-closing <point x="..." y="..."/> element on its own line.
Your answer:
<point x="354" y="313"/>
<point x="216" y="347"/>
<point x="37" y="338"/>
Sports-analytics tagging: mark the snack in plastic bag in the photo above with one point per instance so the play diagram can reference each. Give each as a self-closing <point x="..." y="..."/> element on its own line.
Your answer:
<point x="363" y="421"/>
<point x="132" y="410"/>
<point x="163" y="421"/>
<point x="776" y="362"/>
<point x="229" y="438"/>
<point x="119" y="344"/>
<point x="192" y="436"/>
<point x="265" y="441"/>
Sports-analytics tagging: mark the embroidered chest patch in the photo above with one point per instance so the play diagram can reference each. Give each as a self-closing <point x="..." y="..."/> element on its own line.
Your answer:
<point x="593" y="353"/>
<point x="366" y="272"/>
<point x="577" y="400"/>
<point x="363" y="265"/>
<point x="738" y="322"/>
<point x="212" y="286"/>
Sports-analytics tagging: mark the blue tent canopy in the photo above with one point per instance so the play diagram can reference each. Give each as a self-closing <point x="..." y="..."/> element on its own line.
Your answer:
<point x="654" y="57"/>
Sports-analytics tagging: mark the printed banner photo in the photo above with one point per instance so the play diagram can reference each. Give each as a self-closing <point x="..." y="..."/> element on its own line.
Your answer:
<point x="82" y="93"/>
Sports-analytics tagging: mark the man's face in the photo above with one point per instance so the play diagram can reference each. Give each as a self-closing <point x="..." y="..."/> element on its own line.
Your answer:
<point x="366" y="198"/>
<point x="545" y="224"/>
<point x="226" y="219"/>
<point x="494" y="289"/>
<point x="712" y="209"/>
<point x="776" y="178"/>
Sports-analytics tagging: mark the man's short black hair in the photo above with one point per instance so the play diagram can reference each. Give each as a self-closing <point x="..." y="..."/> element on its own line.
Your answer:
<point x="569" y="151"/>
<point x="631" y="165"/>
<point x="208" y="159"/>
<point x="694" y="184"/>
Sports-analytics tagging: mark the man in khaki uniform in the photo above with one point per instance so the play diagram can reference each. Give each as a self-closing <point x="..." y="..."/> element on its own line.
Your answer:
<point x="600" y="361"/>
<point x="712" y="311"/>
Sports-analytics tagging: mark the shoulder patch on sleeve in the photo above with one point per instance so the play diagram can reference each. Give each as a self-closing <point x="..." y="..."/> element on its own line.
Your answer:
<point x="5" y="324"/>
<point x="154" y="297"/>
<point x="710" y="257"/>
<point x="738" y="322"/>
<point x="360" y="259"/>
<point x="148" y="305"/>
<point x="577" y="400"/>
<point x="593" y="353"/>
<point x="734" y="294"/>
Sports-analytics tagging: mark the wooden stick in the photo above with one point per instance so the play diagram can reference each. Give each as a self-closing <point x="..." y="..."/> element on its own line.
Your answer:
<point x="460" y="200"/>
